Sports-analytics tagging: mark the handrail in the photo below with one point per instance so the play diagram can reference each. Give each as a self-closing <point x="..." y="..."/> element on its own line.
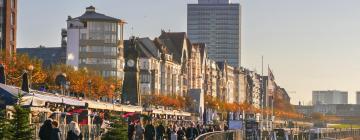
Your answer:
<point x="230" y="134"/>
<point x="202" y="136"/>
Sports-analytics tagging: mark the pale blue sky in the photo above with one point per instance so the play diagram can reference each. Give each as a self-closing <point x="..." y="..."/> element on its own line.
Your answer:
<point x="309" y="44"/>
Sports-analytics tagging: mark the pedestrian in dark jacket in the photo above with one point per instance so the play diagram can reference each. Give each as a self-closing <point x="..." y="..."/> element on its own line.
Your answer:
<point x="168" y="132"/>
<point x="131" y="130"/>
<point x="160" y="130"/>
<point x="74" y="133"/>
<point x="55" y="133"/>
<point x="45" y="130"/>
<point x="180" y="134"/>
<point x="192" y="132"/>
<point x="149" y="131"/>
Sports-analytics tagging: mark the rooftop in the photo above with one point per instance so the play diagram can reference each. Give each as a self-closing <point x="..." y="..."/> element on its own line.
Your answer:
<point x="91" y="14"/>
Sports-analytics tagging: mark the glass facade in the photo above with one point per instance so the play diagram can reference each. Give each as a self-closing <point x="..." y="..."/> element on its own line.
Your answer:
<point x="104" y="55"/>
<point x="218" y="26"/>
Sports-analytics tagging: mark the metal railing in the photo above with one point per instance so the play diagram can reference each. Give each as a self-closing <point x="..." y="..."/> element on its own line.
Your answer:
<point x="314" y="134"/>
<point x="222" y="135"/>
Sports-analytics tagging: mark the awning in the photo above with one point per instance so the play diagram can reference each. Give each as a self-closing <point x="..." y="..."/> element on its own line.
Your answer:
<point x="49" y="98"/>
<point x="31" y="100"/>
<point x="39" y="109"/>
<point x="73" y="102"/>
<point x="130" y="108"/>
<point x="95" y="105"/>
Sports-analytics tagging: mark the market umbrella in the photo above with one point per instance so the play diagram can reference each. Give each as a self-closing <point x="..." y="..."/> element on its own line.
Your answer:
<point x="2" y="74"/>
<point x="25" y="82"/>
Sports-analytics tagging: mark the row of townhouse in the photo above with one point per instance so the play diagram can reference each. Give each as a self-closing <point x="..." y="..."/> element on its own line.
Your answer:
<point x="171" y="65"/>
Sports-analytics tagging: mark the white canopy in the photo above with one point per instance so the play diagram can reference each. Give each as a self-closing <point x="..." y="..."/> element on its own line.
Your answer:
<point x="49" y="98"/>
<point x="31" y="100"/>
<point x="72" y="101"/>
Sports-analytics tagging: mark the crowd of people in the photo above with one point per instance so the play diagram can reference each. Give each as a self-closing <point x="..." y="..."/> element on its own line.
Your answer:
<point x="173" y="131"/>
<point x="50" y="131"/>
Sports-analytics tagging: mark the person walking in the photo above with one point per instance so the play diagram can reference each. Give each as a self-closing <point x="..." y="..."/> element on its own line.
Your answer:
<point x="180" y="133"/>
<point x="74" y="133"/>
<point x="149" y="131"/>
<point x="45" y="130"/>
<point x="160" y="130"/>
<point x="168" y="132"/>
<point x="192" y="132"/>
<point x="173" y="133"/>
<point x="131" y="130"/>
<point x="55" y="132"/>
<point x="139" y="131"/>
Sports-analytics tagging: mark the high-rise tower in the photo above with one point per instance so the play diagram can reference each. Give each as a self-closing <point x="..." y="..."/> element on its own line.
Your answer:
<point x="216" y="23"/>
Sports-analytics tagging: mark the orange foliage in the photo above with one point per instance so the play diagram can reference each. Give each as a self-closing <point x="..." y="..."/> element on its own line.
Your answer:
<point x="161" y="100"/>
<point x="15" y="68"/>
<point x="84" y="81"/>
<point x="78" y="78"/>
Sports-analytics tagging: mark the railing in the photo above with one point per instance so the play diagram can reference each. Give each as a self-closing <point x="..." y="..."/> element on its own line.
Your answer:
<point x="222" y="135"/>
<point x="313" y="134"/>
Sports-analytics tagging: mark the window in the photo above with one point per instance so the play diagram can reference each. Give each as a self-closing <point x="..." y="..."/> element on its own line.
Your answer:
<point x="12" y="35"/>
<point x="12" y="3"/>
<point x="83" y="36"/>
<point x="12" y="18"/>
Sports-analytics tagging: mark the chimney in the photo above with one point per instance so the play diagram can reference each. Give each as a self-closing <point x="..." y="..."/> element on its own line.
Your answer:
<point x="2" y="74"/>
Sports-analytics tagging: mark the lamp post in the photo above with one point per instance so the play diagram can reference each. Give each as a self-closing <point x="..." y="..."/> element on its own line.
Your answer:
<point x="30" y="68"/>
<point x="67" y="86"/>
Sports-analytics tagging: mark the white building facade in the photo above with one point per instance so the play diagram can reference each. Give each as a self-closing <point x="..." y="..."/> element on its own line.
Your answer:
<point x="95" y="42"/>
<point x="329" y="97"/>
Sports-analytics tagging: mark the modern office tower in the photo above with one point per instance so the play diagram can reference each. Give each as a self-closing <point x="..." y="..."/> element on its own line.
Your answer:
<point x="95" y="42"/>
<point x="217" y="23"/>
<point x="8" y="10"/>
<point x="329" y="97"/>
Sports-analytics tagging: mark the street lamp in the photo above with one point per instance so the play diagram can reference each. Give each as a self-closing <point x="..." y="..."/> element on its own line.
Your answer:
<point x="30" y="68"/>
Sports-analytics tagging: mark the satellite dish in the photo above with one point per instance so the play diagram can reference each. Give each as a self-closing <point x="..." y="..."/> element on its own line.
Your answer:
<point x="60" y="79"/>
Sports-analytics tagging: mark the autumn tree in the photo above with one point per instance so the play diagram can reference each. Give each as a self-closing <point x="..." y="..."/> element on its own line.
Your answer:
<point x="14" y="68"/>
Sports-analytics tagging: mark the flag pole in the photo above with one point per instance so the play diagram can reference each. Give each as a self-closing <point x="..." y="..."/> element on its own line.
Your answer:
<point x="262" y="97"/>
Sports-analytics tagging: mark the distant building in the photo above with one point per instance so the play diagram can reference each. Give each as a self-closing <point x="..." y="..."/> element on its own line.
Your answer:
<point x="329" y="97"/>
<point x="95" y="41"/>
<point x="8" y="22"/>
<point x="217" y="24"/>
<point x="307" y="110"/>
<point x="358" y="97"/>
<point x="49" y="55"/>
<point x="210" y="80"/>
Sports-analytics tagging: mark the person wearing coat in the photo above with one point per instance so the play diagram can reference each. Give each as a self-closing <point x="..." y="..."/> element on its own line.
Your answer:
<point x="45" y="130"/>
<point x="160" y="130"/>
<point x="139" y="131"/>
<point x="149" y="131"/>
<point x="55" y="132"/>
<point x="74" y="133"/>
<point x="192" y="132"/>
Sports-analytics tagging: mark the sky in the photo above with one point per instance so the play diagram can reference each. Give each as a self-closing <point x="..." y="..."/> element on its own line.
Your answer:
<point x="308" y="44"/>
